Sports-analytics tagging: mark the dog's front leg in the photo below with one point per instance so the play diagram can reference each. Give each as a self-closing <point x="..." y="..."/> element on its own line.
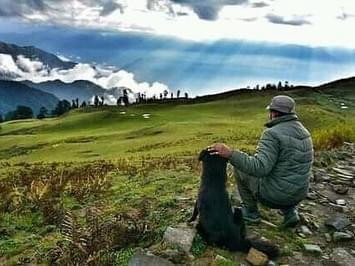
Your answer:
<point x="194" y="214"/>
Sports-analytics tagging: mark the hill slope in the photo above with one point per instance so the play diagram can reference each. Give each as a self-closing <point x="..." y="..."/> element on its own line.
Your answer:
<point x="171" y="129"/>
<point x="14" y="93"/>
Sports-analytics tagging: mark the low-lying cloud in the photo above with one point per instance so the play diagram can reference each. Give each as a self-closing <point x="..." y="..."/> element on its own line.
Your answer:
<point x="294" y="21"/>
<point x="26" y="69"/>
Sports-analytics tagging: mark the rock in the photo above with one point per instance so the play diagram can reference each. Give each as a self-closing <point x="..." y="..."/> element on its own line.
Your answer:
<point x="141" y="259"/>
<point x="256" y="257"/>
<point x="271" y="263"/>
<point x="340" y="189"/>
<point x="341" y="236"/>
<point x="220" y="260"/>
<point x="315" y="249"/>
<point x="302" y="235"/>
<point x="338" y="222"/>
<point x="312" y="196"/>
<point x="305" y="230"/>
<point x="180" y="198"/>
<point x="340" y="257"/>
<point x="338" y="208"/>
<point x="340" y="202"/>
<point x="342" y="171"/>
<point x="328" y="237"/>
<point x="182" y="236"/>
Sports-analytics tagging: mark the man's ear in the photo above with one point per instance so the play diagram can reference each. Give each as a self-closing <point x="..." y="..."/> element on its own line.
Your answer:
<point x="203" y="155"/>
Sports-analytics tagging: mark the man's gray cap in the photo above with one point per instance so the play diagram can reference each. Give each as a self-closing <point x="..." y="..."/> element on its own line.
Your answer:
<point x="282" y="103"/>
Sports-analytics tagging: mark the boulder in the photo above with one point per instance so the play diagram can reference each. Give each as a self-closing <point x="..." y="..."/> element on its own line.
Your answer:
<point x="256" y="257"/>
<point x="338" y="222"/>
<point x="181" y="236"/>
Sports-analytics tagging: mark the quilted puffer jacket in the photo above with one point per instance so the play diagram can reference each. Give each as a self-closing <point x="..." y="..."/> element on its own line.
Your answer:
<point x="282" y="163"/>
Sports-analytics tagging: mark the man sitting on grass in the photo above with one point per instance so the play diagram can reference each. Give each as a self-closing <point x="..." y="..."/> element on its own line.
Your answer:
<point x="278" y="174"/>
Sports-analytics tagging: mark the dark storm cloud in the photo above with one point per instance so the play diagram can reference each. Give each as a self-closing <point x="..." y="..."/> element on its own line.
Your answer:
<point x="11" y="8"/>
<point x="281" y="20"/>
<point x="19" y="8"/>
<point x="208" y="9"/>
<point x="110" y="7"/>
<point x="259" y="4"/>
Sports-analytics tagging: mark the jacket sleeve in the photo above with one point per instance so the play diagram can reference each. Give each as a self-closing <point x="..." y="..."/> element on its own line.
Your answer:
<point x="263" y="161"/>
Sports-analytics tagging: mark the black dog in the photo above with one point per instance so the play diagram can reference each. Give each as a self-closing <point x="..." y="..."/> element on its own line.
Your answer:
<point x="218" y="224"/>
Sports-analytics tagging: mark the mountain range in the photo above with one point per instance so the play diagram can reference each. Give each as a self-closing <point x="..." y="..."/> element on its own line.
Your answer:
<point x="17" y="64"/>
<point x="81" y="89"/>
<point x="14" y="93"/>
<point x="48" y="59"/>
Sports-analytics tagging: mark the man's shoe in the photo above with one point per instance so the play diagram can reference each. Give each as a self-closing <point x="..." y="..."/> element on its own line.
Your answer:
<point x="251" y="216"/>
<point x="291" y="219"/>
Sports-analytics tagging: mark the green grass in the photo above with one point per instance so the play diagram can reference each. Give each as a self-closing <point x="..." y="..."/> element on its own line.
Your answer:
<point x="178" y="130"/>
<point x="154" y="164"/>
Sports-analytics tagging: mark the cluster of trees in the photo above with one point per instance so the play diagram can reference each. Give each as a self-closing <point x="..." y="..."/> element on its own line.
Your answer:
<point x="21" y="112"/>
<point x="63" y="106"/>
<point x="279" y="86"/>
<point x="162" y="96"/>
<point x="25" y="112"/>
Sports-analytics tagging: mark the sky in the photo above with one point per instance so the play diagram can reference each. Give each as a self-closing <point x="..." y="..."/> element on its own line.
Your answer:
<point x="201" y="46"/>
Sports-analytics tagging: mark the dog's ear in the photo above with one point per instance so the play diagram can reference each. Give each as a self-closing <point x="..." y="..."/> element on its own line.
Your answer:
<point x="203" y="155"/>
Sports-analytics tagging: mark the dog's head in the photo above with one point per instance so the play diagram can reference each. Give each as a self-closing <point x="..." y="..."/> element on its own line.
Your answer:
<point x="206" y="156"/>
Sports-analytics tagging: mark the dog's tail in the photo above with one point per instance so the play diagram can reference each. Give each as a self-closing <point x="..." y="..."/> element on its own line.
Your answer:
<point x="265" y="246"/>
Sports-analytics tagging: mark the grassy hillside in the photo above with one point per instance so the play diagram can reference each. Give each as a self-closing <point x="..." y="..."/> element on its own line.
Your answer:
<point x="55" y="191"/>
<point x="178" y="130"/>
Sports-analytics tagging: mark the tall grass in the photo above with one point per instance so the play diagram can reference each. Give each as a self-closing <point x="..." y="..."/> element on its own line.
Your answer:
<point x="331" y="138"/>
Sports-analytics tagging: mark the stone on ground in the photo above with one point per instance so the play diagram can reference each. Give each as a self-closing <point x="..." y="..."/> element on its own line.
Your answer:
<point x="338" y="222"/>
<point x="310" y="248"/>
<point x="256" y="257"/>
<point x="341" y="236"/>
<point x="220" y="260"/>
<point x="142" y="259"/>
<point x="305" y="230"/>
<point x="181" y="235"/>
<point x="340" y="257"/>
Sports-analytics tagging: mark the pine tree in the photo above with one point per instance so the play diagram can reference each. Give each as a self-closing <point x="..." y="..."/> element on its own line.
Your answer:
<point x="43" y="113"/>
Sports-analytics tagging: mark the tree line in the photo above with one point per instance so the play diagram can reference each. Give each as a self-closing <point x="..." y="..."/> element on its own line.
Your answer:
<point x="64" y="106"/>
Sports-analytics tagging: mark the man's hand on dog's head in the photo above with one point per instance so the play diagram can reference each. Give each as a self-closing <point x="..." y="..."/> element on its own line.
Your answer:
<point x="220" y="149"/>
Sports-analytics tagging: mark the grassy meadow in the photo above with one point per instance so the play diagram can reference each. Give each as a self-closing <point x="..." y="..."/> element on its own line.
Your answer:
<point x="69" y="178"/>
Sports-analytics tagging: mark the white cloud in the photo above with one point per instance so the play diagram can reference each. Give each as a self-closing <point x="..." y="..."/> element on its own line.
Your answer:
<point x="309" y="22"/>
<point x="7" y="65"/>
<point x="26" y="69"/>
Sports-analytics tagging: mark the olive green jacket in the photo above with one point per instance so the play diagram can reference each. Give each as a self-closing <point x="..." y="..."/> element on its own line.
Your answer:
<point x="282" y="162"/>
